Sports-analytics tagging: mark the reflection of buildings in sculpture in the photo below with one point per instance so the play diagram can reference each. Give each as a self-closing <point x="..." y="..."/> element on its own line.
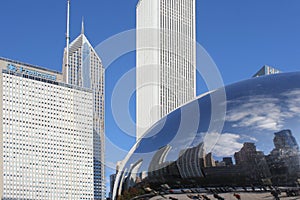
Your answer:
<point x="223" y="175"/>
<point x="144" y="175"/>
<point x="132" y="177"/>
<point x="121" y="186"/>
<point x="220" y="163"/>
<point x="246" y="154"/>
<point x="228" y="161"/>
<point x="168" y="174"/>
<point x="281" y="166"/>
<point x="284" y="158"/>
<point x="284" y="140"/>
<point x="191" y="161"/>
<point x="158" y="160"/>
<point x="266" y="70"/>
<point x="112" y="179"/>
<point x="251" y="167"/>
<point x="253" y="163"/>
<point x="209" y="160"/>
<point x="159" y="170"/>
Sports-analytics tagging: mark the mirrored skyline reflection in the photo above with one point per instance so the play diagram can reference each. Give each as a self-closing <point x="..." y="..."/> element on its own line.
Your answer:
<point x="259" y="111"/>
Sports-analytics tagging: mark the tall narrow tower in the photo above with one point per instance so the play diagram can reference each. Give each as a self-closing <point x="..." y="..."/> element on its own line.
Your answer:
<point x="83" y="67"/>
<point x="166" y="59"/>
<point x="66" y="52"/>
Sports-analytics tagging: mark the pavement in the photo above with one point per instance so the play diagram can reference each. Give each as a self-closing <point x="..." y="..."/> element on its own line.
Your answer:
<point x="228" y="196"/>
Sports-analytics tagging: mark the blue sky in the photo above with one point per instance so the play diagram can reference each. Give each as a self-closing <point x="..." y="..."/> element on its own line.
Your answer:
<point x="240" y="36"/>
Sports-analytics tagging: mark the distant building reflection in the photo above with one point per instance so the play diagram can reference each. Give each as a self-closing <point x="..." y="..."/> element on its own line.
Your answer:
<point x="281" y="167"/>
<point x="284" y="159"/>
<point x="191" y="161"/>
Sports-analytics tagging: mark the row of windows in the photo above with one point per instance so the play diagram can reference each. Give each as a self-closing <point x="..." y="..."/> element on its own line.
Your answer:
<point x="42" y="141"/>
<point x="51" y="122"/>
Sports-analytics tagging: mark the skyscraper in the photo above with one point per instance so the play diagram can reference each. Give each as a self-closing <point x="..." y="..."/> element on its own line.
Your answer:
<point x="83" y="67"/>
<point x="46" y="134"/>
<point x="166" y="59"/>
<point x="266" y="70"/>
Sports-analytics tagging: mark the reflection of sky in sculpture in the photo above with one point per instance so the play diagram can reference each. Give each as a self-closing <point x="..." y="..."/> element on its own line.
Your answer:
<point x="256" y="109"/>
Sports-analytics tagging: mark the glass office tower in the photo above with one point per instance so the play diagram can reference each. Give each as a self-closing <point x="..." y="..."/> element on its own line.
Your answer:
<point x="85" y="70"/>
<point x="266" y="70"/>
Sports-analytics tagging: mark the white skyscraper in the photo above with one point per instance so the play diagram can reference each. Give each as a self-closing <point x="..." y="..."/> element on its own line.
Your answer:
<point x="166" y="59"/>
<point x="46" y="135"/>
<point x="83" y="67"/>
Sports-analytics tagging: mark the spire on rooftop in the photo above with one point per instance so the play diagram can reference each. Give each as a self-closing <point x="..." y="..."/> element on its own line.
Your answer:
<point x="82" y="26"/>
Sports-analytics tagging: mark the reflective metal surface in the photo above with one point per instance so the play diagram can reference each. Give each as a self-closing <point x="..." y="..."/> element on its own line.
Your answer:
<point x="255" y="153"/>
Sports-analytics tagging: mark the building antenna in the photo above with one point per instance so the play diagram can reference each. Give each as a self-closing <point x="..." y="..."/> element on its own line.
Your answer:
<point x="82" y="26"/>
<point x="67" y="41"/>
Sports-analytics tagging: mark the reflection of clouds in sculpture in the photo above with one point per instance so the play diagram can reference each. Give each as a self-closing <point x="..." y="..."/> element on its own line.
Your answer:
<point x="190" y="140"/>
<point x="248" y="138"/>
<point x="256" y="113"/>
<point x="222" y="144"/>
<point x="264" y="113"/>
<point x="293" y="102"/>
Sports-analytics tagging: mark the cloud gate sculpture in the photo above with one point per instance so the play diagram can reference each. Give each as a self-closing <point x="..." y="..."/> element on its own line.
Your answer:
<point x="251" y="146"/>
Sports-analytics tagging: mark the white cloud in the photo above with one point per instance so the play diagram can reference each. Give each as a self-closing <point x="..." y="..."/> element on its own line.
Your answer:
<point x="222" y="145"/>
<point x="248" y="138"/>
<point x="293" y="102"/>
<point x="263" y="112"/>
